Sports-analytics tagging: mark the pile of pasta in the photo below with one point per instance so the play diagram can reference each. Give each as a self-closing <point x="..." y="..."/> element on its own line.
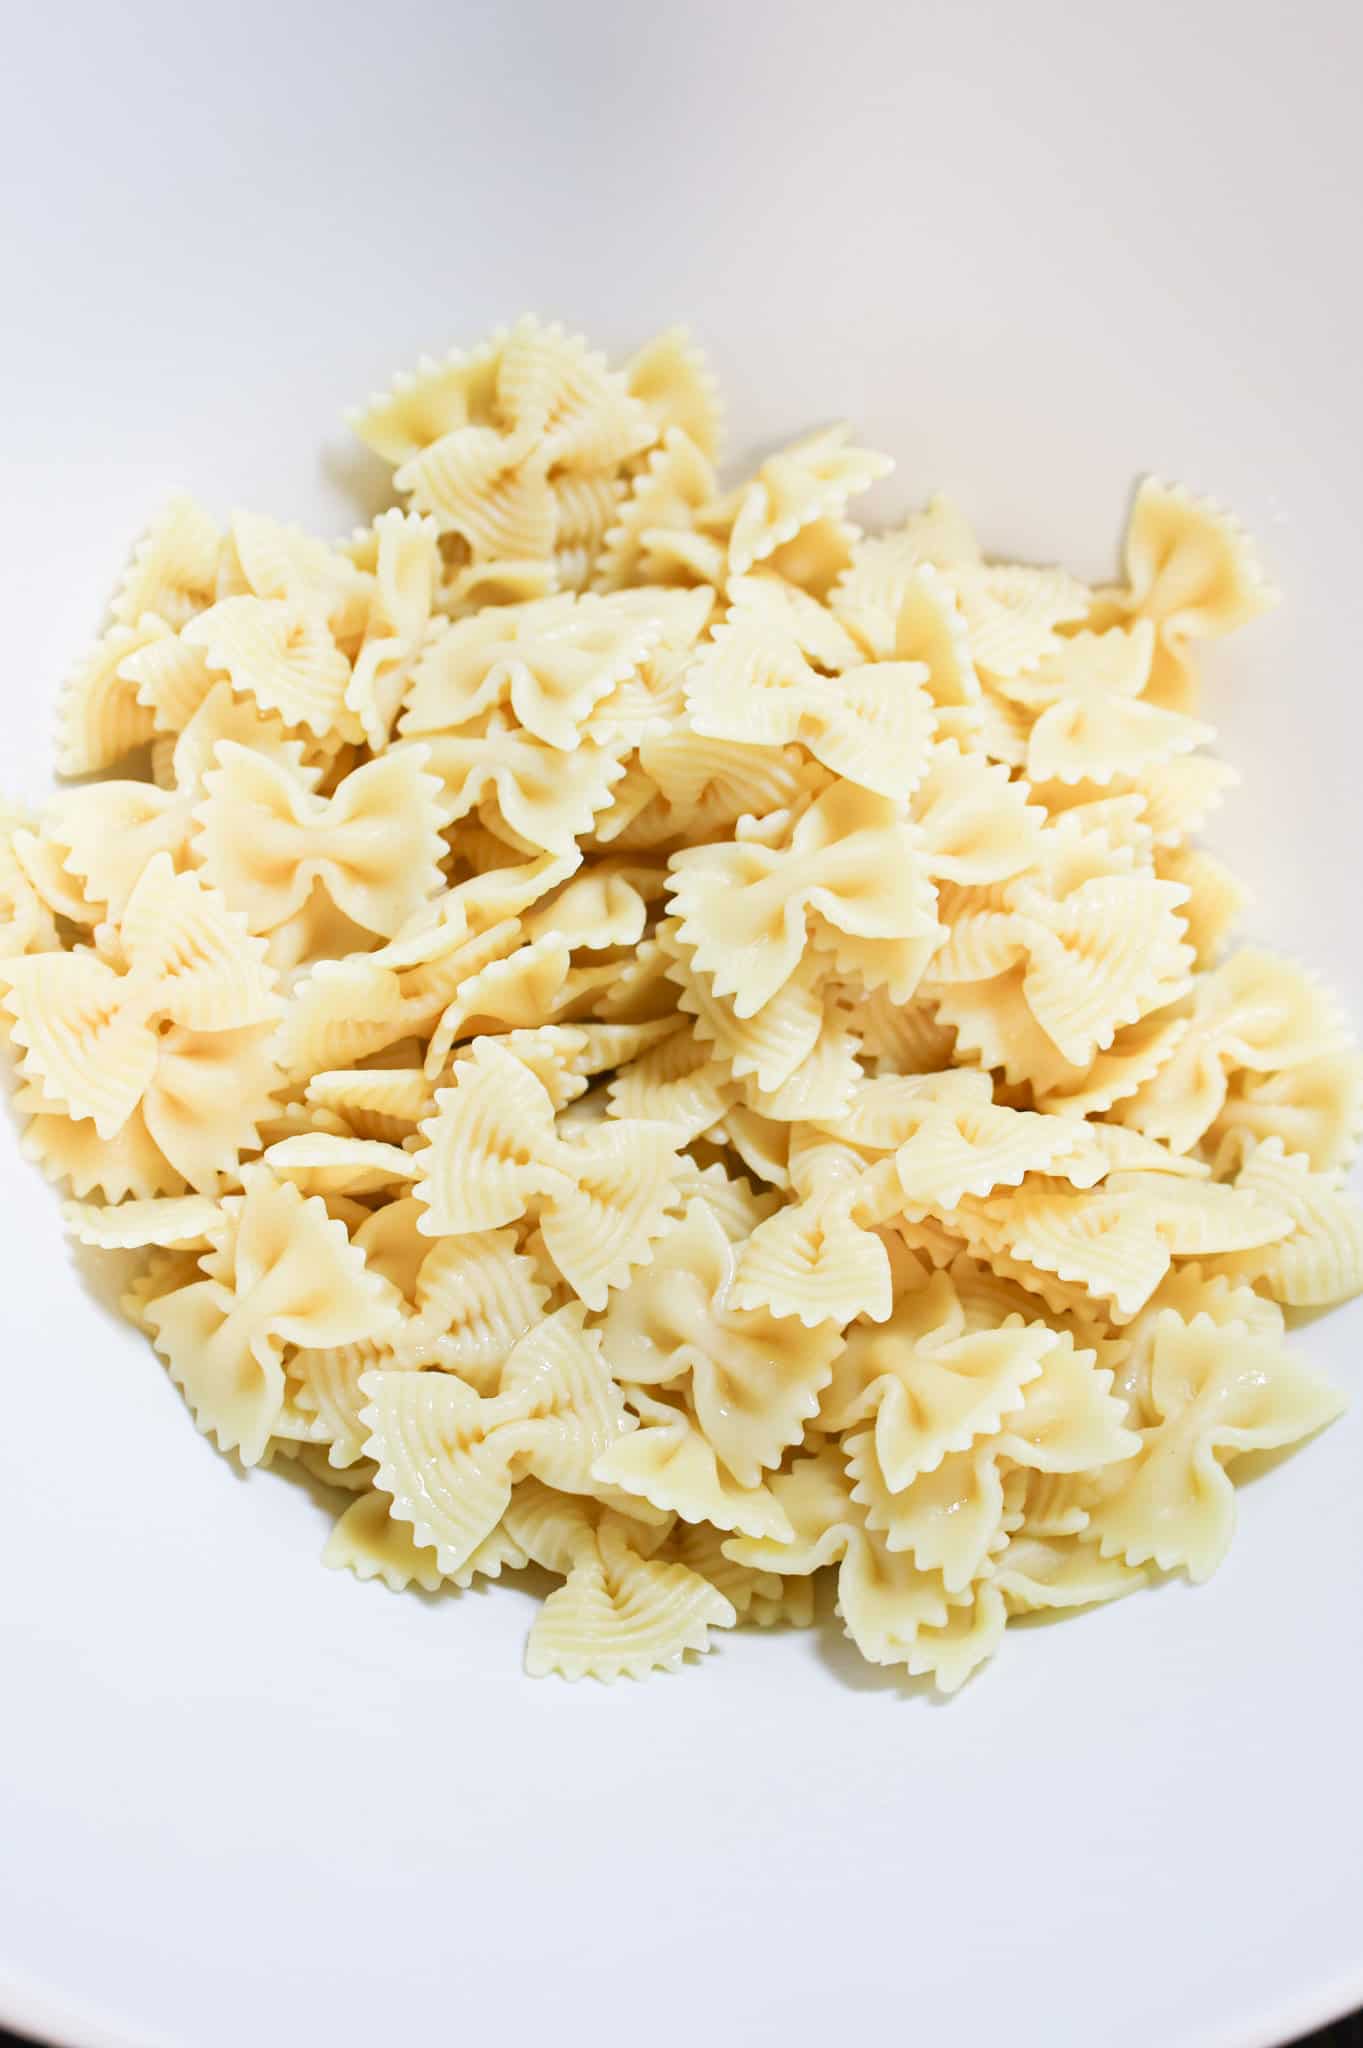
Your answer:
<point x="635" y="1028"/>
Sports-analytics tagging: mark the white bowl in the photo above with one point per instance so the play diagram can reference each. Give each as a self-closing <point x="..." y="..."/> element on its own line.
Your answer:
<point x="1033" y="250"/>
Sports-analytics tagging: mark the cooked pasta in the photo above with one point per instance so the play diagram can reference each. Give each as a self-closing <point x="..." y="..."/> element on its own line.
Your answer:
<point x="637" y="1029"/>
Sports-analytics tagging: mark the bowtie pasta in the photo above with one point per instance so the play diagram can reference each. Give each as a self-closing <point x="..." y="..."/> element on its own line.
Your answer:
<point x="626" y="1025"/>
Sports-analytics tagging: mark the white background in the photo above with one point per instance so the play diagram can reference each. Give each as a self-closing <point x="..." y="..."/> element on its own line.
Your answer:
<point x="1033" y="250"/>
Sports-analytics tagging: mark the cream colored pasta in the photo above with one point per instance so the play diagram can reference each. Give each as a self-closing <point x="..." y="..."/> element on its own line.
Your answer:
<point x="632" y="1027"/>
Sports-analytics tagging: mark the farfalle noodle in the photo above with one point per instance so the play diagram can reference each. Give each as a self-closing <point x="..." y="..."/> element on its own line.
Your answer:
<point x="625" y="1025"/>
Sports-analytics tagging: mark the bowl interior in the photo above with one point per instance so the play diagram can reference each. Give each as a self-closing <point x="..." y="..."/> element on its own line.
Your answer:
<point x="1032" y="255"/>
